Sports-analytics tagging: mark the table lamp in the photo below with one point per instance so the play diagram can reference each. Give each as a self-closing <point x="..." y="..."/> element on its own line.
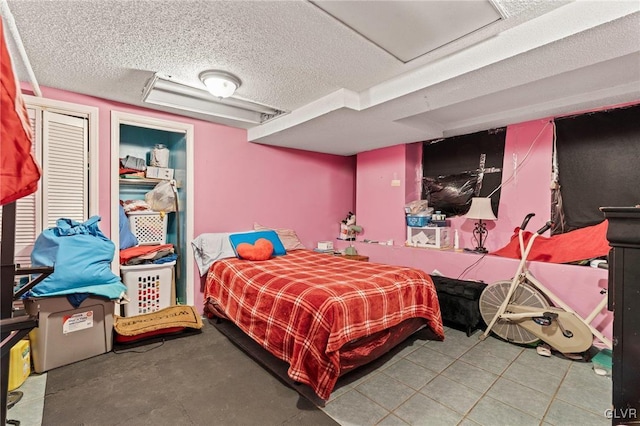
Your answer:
<point x="481" y="210"/>
<point x="353" y="231"/>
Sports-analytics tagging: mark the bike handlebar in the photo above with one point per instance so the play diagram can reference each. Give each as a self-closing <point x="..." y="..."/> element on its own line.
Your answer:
<point x="545" y="228"/>
<point x="526" y="220"/>
<point x="540" y="231"/>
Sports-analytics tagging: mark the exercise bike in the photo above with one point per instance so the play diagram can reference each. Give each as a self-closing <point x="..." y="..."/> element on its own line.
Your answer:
<point x="521" y="311"/>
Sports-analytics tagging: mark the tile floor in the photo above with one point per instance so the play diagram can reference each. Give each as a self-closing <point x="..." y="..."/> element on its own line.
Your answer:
<point x="461" y="381"/>
<point x="465" y="381"/>
<point x="29" y="409"/>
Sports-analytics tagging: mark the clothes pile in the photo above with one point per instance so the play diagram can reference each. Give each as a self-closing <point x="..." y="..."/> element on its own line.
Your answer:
<point x="139" y="255"/>
<point x="132" y="167"/>
<point x="135" y="206"/>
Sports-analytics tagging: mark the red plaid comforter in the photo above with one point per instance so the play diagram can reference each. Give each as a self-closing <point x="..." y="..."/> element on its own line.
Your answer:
<point x="304" y="306"/>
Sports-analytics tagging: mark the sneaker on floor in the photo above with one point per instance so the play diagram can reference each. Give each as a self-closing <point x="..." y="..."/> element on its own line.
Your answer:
<point x="574" y="357"/>
<point x="543" y="349"/>
<point x="13" y="397"/>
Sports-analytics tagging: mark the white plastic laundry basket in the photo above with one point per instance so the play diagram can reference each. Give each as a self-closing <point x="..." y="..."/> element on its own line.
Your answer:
<point x="149" y="227"/>
<point x="148" y="287"/>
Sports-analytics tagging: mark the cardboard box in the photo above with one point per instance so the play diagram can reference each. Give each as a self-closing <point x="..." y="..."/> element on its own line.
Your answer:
<point x="159" y="173"/>
<point x="325" y="245"/>
<point x="66" y="334"/>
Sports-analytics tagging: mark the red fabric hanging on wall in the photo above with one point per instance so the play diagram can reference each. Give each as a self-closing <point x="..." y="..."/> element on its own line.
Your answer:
<point x="19" y="172"/>
<point x="580" y="244"/>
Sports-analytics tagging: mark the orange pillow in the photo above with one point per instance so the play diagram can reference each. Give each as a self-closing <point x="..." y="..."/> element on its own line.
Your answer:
<point x="262" y="249"/>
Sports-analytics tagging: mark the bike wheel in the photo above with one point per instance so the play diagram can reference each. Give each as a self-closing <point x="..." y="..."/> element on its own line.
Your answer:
<point x="525" y="294"/>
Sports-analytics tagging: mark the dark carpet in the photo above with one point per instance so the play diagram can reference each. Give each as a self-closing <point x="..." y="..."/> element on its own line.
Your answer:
<point x="260" y="355"/>
<point x="200" y="379"/>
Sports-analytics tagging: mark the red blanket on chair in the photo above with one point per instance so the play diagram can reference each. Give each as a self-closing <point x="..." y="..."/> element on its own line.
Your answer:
<point x="581" y="244"/>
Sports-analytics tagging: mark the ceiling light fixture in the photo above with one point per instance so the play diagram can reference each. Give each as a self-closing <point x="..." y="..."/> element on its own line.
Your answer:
<point x="220" y="83"/>
<point x="233" y="111"/>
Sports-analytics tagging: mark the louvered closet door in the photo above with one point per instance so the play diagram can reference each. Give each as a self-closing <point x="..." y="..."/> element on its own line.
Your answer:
<point x="60" y="145"/>
<point x="65" y="168"/>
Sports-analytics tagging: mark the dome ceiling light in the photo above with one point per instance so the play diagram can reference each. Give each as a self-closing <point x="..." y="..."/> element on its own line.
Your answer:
<point x="220" y="84"/>
<point x="179" y="98"/>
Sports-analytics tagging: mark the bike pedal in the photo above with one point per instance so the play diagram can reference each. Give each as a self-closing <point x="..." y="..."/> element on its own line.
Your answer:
<point x="543" y="321"/>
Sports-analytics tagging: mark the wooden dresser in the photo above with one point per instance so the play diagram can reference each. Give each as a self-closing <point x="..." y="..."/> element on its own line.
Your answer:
<point x="356" y="257"/>
<point x="624" y="300"/>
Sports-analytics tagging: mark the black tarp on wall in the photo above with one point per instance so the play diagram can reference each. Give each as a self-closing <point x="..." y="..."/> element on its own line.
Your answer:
<point x="598" y="162"/>
<point x="450" y="170"/>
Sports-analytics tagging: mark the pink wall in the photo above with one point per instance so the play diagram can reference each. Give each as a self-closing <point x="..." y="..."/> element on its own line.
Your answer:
<point x="238" y="182"/>
<point x="377" y="202"/>
<point x="380" y="206"/>
<point x="379" y="210"/>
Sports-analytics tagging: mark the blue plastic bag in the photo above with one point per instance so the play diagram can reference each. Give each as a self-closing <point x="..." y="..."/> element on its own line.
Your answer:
<point x="127" y="239"/>
<point x="81" y="256"/>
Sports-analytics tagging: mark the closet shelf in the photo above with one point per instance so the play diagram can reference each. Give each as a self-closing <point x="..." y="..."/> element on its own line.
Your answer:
<point x="144" y="182"/>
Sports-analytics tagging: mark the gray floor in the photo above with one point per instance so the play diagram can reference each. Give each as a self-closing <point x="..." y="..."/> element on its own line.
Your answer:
<point x="465" y="381"/>
<point x="29" y="409"/>
<point x="200" y="379"/>
<point x="461" y="381"/>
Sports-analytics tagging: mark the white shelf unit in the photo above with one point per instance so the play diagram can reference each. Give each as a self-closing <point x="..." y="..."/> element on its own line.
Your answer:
<point x="438" y="237"/>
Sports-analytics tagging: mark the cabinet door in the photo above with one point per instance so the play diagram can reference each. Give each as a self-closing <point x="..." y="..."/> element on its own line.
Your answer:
<point x="611" y="290"/>
<point x="626" y="349"/>
<point x="624" y="285"/>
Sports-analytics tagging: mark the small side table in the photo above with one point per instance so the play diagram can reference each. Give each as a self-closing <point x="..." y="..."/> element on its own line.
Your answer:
<point x="356" y="257"/>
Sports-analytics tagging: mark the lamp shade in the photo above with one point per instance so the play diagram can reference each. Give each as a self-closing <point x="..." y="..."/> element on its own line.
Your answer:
<point x="220" y="83"/>
<point x="480" y="209"/>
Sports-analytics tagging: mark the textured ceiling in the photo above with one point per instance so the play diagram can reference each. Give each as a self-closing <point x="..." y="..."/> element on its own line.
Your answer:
<point x="344" y="93"/>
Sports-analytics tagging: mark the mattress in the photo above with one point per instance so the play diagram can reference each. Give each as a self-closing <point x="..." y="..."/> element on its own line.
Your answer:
<point x="304" y="307"/>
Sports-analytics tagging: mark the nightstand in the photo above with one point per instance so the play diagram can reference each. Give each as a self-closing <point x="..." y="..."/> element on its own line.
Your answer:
<point x="356" y="257"/>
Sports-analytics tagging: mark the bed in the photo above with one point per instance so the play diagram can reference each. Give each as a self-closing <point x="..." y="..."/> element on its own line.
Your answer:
<point x="324" y="315"/>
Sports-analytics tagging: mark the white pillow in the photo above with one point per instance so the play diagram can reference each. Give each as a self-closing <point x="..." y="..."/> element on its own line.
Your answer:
<point x="207" y="248"/>
<point x="289" y="238"/>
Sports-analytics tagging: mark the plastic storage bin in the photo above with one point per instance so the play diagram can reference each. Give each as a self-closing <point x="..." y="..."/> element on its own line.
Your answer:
<point x="150" y="228"/>
<point x="66" y="334"/>
<point x="148" y="287"/>
<point x="19" y="364"/>
<point x="418" y="220"/>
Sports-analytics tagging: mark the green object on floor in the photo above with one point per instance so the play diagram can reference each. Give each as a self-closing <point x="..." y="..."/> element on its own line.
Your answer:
<point x="602" y="363"/>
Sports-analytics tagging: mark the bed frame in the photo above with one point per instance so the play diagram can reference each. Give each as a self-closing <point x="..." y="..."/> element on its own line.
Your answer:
<point x="403" y="337"/>
<point x="338" y="326"/>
